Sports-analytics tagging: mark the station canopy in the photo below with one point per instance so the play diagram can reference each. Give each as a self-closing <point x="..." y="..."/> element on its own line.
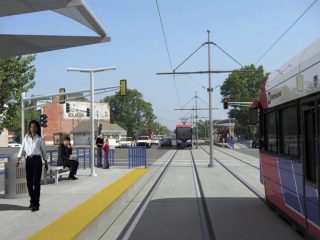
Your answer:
<point x="17" y="45"/>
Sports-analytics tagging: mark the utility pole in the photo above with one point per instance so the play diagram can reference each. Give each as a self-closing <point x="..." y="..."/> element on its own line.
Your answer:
<point x="98" y="117"/>
<point x="197" y="135"/>
<point x="210" y="90"/>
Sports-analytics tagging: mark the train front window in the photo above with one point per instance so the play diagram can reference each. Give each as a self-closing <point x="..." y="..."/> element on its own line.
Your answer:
<point x="184" y="134"/>
<point x="289" y="131"/>
<point x="271" y="132"/>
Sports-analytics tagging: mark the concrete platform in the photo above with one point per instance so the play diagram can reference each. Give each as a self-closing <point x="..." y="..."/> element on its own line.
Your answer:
<point x="18" y="222"/>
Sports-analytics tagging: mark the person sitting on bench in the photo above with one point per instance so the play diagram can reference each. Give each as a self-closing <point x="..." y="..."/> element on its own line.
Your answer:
<point x="66" y="160"/>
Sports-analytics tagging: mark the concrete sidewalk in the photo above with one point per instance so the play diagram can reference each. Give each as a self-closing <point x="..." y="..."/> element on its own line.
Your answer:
<point x="18" y="222"/>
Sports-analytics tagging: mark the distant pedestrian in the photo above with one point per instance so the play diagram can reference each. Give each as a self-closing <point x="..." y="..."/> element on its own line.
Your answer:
<point x="65" y="158"/>
<point x="106" y="150"/>
<point x="33" y="148"/>
<point x="99" y="143"/>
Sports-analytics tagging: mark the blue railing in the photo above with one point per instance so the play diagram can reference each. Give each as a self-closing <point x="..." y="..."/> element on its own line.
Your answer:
<point x="83" y="156"/>
<point x="5" y="155"/>
<point x="137" y="156"/>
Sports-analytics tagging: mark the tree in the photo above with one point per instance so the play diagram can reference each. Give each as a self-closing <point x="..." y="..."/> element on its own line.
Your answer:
<point x="159" y="129"/>
<point x="16" y="77"/>
<point x="131" y="112"/>
<point x="30" y="114"/>
<point x="243" y="87"/>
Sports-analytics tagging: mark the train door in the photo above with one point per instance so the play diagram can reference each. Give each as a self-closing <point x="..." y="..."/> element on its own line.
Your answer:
<point x="310" y="152"/>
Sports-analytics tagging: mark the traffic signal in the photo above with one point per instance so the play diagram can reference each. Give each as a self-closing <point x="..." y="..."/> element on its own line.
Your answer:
<point x="67" y="107"/>
<point x="99" y="129"/>
<point x="225" y="103"/>
<point x="88" y="112"/>
<point x="123" y="87"/>
<point x="62" y="98"/>
<point x="43" y="120"/>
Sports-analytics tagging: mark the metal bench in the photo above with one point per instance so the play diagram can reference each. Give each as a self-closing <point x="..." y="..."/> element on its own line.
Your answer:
<point x="56" y="172"/>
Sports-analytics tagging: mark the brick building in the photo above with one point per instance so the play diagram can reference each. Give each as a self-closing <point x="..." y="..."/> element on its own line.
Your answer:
<point x="60" y="122"/>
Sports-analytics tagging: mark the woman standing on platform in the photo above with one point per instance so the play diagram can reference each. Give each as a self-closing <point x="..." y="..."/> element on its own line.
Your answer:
<point x="33" y="148"/>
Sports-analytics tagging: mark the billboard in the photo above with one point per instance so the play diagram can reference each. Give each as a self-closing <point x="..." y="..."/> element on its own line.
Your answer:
<point x="78" y="110"/>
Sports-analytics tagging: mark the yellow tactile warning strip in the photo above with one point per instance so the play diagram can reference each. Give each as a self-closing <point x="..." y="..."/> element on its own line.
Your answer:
<point x="70" y="225"/>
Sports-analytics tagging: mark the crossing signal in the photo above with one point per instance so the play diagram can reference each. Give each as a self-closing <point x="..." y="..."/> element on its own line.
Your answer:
<point x="225" y="103"/>
<point x="88" y="112"/>
<point x="62" y="98"/>
<point x="99" y="129"/>
<point x="43" y="120"/>
<point x="123" y="87"/>
<point x="67" y="107"/>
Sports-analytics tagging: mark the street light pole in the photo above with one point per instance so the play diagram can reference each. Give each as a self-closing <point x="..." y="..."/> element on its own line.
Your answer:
<point x="92" y="71"/>
<point x="210" y="90"/>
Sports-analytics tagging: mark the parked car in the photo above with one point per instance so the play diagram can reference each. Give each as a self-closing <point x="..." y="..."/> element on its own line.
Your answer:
<point x="166" y="142"/>
<point x="155" y="141"/>
<point x="144" y="141"/>
<point x="14" y="144"/>
<point x="113" y="143"/>
<point x="125" y="142"/>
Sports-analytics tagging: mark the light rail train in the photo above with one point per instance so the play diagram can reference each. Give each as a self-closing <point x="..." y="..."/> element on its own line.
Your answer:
<point x="289" y="122"/>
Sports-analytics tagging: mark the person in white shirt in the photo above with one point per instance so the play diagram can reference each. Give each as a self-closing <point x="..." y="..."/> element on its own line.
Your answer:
<point x="33" y="148"/>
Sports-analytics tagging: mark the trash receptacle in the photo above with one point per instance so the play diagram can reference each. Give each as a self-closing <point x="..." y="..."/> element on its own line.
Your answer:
<point x="15" y="183"/>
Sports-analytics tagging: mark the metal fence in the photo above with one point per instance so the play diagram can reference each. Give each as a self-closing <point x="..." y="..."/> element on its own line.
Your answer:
<point x="137" y="156"/>
<point x="83" y="155"/>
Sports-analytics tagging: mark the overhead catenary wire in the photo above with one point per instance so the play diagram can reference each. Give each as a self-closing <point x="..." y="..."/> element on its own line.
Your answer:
<point x="189" y="57"/>
<point x="286" y="31"/>
<point x="188" y="102"/>
<point x="227" y="54"/>
<point x="203" y="101"/>
<point x="168" y="52"/>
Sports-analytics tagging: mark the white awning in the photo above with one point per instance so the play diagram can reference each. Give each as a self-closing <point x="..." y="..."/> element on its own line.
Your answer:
<point x="16" y="45"/>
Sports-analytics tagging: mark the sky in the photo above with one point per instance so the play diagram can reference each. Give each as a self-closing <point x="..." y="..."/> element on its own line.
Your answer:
<point x="245" y="29"/>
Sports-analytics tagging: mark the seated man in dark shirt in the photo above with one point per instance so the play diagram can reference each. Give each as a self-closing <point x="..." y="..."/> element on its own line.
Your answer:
<point x="65" y="159"/>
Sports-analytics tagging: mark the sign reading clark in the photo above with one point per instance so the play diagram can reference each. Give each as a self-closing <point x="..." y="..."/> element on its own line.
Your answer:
<point x="78" y="110"/>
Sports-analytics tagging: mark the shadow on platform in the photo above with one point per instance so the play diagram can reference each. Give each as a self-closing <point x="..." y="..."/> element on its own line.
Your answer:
<point x="10" y="207"/>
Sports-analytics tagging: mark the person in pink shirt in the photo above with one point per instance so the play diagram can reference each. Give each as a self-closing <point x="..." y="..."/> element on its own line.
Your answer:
<point x="106" y="150"/>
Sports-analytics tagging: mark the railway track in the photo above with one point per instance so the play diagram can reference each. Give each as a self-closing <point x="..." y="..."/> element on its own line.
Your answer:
<point x="238" y="177"/>
<point x="206" y="223"/>
<point x="245" y="162"/>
